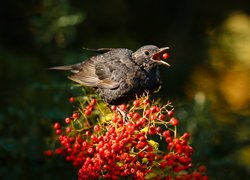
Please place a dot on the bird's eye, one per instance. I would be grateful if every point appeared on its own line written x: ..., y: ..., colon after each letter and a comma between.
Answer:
x: 146, y: 53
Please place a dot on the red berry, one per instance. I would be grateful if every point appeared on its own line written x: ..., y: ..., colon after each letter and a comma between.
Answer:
x: 152, y: 130
x: 132, y: 170
x: 145, y: 101
x: 205, y: 178
x: 88, y: 133
x: 174, y: 121
x: 141, y: 144
x: 148, y: 112
x: 130, y: 114
x: 90, y: 150
x: 136, y: 103
x: 77, y: 146
x: 136, y: 116
x: 90, y: 107
x: 141, y: 122
x: 165, y: 55
x: 58, y: 131
x: 162, y: 117
x: 158, y: 130
x: 57, y: 125
x: 96, y: 128
x: 93, y: 102
x: 75, y: 115
x: 67, y: 120
x: 48, y: 153
x: 186, y: 135
x: 113, y: 107
x: 120, y: 121
x: 123, y: 107
x: 68, y: 130
x: 115, y: 119
x: 202, y: 169
x: 106, y: 153
x: 87, y: 112
x: 166, y: 133
x: 154, y: 117
x: 84, y: 144
x: 154, y: 109
x: 197, y: 175
x: 170, y: 113
x: 163, y: 164
x: 71, y: 99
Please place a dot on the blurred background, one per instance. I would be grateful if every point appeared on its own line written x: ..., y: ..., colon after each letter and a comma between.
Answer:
x: 209, y: 80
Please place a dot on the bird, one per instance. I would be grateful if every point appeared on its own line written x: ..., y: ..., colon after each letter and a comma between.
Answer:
x: 118, y: 74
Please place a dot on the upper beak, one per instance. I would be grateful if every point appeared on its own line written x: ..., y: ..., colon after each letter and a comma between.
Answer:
x: 158, y: 56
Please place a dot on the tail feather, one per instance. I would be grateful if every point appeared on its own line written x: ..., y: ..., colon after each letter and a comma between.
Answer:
x: 65, y: 68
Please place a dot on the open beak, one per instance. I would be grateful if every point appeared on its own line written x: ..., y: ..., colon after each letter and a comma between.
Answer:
x: 159, y: 56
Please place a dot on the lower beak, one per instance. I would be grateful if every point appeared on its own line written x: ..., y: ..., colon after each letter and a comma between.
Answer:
x: 157, y: 56
x: 165, y: 63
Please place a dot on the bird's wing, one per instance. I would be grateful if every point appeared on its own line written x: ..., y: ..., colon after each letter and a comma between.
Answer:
x: 95, y: 75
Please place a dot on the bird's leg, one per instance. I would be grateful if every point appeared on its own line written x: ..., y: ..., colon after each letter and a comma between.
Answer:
x: 123, y: 114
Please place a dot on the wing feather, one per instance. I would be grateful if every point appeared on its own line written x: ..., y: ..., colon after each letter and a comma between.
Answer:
x: 95, y: 75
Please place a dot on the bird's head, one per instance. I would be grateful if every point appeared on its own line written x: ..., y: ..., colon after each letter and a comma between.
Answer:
x: 150, y: 56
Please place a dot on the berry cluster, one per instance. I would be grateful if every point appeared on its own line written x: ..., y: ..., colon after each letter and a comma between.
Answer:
x: 137, y: 141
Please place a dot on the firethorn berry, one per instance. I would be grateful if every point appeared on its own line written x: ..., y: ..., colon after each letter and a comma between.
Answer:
x: 153, y: 109
x: 75, y: 115
x: 68, y: 130
x: 170, y: 113
x: 152, y: 130
x: 148, y: 112
x: 145, y: 101
x: 136, y: 103
x: 96, y: 128
x: 158, y: 130
x: 90, y: 150
x: 90, y: 107
x: 58, y: 131
x: 57, y: 125
x: 48, y: 153
x: 88, y: 133
x: 130, y: 114
x: 120, y: 120
x: 202, y: 169
x: 186, y: 135
x: 115, y: 119
x: 87, y: 112
x: 71, y: 99
x: 154, y: 117
x: 166, y: 133
x: 136, y: 116
x: 141, y: 122
x: 67, y: 120
x: 162, y: 117
x: 123, y: 107
x: 113, y: 107
x: 165, y: 55
x: 174, y: 121
x: 197, y: 175
x: 93, y: 102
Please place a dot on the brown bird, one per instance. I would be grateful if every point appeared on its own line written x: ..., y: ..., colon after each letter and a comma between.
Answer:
x: 119, y: 74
